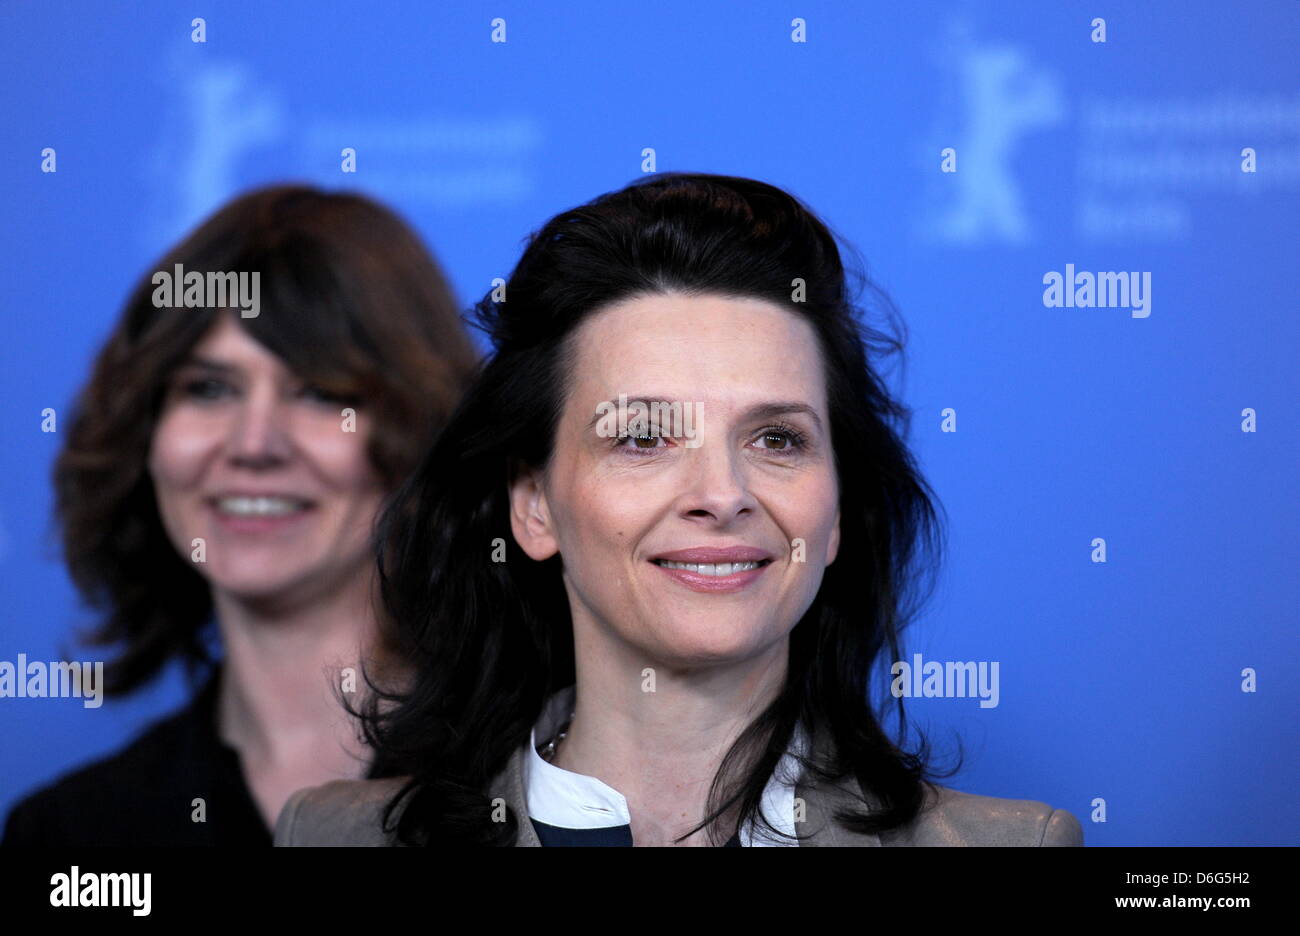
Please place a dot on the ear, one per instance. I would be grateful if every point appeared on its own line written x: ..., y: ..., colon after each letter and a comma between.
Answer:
x: 833, y: 547
x: 530, y: 517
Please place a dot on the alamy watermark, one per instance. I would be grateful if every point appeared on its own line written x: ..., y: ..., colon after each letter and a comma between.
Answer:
x: 649, y: 419
x: 1110, y: 290
x: 949, y: 680
x: 78, y: 888
x: 213, y: 290
x: 37, y: 679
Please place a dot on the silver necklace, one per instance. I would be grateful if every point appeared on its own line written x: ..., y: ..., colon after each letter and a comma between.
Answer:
x: 549, y: 748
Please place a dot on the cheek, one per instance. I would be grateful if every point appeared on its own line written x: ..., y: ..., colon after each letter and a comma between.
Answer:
x: 815, y: 523
x: 182, y: 448
x: 341, y: 459
x: 830, y: 500
x: 597, y: 520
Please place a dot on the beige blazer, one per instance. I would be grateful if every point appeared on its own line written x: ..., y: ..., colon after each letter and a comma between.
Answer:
x: 349, y: 812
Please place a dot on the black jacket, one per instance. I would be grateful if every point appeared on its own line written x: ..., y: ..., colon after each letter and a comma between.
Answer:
x: 145, y: 793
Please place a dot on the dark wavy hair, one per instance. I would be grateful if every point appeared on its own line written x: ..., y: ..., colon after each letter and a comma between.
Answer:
x: 350, y: 300
x: 491, y: 640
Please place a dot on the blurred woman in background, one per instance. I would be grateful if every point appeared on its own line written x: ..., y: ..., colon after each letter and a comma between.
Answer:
x: 218, y: 488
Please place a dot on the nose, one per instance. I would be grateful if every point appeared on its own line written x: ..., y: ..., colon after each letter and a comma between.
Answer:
x: 259, y: 433
x: 717, y: 489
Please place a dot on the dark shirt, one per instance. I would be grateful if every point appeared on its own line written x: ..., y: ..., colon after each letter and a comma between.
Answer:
x: 144, y: 794
x: 609, y: 837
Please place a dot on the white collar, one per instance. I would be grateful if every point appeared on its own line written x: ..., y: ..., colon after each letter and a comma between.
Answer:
x: 569, y: 800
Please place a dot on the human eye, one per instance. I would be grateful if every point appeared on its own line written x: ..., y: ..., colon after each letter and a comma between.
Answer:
x: 780, y: 439
x: 204, y: 388
x: 317, y: 394
x: 643, y: 443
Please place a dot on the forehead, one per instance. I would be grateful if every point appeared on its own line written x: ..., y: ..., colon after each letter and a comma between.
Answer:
x: 727, y: 350
x: 228, y: 340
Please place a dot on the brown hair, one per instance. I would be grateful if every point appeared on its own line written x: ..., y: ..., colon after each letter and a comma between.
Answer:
x: 350, y: 300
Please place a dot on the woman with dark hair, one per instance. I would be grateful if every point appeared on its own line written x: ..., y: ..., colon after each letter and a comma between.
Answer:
x: 220, y: 483
x: 650, y: 565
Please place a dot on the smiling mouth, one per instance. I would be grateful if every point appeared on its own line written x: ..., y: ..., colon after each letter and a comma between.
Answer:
x: 716, y: 569
x: 260, y: 506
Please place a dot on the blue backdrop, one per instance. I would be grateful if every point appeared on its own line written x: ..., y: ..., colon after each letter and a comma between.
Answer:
x: 1121, y: 682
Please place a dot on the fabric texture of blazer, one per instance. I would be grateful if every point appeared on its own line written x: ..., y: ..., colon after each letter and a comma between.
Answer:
x: 349, y: 812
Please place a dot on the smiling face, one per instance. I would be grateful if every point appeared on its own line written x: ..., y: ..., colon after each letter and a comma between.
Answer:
x: 692, y: 551
x: 258, y: 464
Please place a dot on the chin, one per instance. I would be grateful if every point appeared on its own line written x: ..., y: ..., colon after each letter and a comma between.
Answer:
x: 254, y: 584
x: 709, y: 645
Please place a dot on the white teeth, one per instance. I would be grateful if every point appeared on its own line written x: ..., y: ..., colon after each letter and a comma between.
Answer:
x: 709, y: 568
x: 259, y: 506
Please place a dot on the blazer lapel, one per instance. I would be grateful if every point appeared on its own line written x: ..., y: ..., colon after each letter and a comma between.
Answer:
x: 509, y: 786
x: 822, y: 800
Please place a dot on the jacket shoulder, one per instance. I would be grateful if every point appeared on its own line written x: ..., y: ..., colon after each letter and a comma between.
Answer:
x: 341, y: 812
x: 955, y: 818
x: 105, y: 801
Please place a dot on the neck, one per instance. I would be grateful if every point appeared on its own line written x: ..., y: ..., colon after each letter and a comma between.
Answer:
x: 282, y: 679
x: 662, y: 749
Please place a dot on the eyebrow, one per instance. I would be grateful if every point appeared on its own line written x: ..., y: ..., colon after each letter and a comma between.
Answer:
x: 207, y: 364
x: 783, y: 408
x: 766, y: 410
